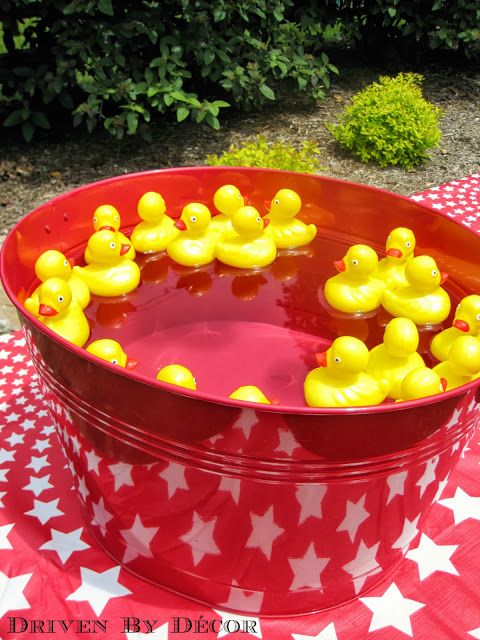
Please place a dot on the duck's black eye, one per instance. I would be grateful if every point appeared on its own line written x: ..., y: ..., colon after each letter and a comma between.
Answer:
x: 276, y: 201
x: 408, y: 244
x: 61, y: 298
x: 337, y: 359
x: 112, y: 245
x: 434, y: 273
x: 355, y: 262
x: 114, y: 361
x: 193, y: 219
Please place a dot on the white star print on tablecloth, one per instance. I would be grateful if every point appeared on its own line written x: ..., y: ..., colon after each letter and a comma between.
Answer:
x: 463, y: 505
x: 64, y: 544
x: 431, y: 557
x: 355, y: 515
x: 392, y: 609
x: 307, y: 569
x: 174, y: 476
x: 325, y: 634
x: 137, y: 540
x: 200, y: 538
x: 98, y: 588
x: 264, y: 532
x: 11, y: 590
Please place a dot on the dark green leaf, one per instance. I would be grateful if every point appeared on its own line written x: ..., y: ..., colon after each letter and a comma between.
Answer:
x: 267, y: 92
x: 28, y: 129
x: 13, y: 119
x: 132, y: 122
x: 40, y: 120
x: 105, y: 6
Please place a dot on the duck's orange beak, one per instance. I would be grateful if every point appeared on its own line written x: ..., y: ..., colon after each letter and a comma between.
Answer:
x: 125, y: 248
x: 444, y: 383
x: 107, y: 228
x: 321, y: 358
x: 71, y: 262
x: 267, y: 204
x: 394, y: 253
x: 266, y: 222
x: 443, y: 276
x: 274, y: 400
x: 45, y: 310
x: 339, y: 265
x: 180, y: 224
x: 131, y: 364
x: 462, y: 325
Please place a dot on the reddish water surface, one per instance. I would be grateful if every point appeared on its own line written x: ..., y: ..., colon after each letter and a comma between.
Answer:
x: 233, y: 327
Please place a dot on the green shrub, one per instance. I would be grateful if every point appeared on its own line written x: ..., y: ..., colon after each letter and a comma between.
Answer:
x: 119, y: 62
x: 270, y: 155
x: 390, y: 122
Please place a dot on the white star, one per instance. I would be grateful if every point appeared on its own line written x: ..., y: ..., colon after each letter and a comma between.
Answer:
x: 4, y: 531
x: 253, y: 624
x: 417, y: 198
x: 2, y: 493
x: 19, y: 357
x: 428, y: 475
x: 27, y: 424
x: 264, y: 532
x: 287, y: 443
x: 408, y: 534
x: 98, y: 588
x: 76, y: 444
x: 307, y: 570
x: 3, y: 474
x: 392, y: 610
x: 438, y: 205
x: 47, y: 431
x: 246, y: 420
x: 441, y: 486
x: 122, y: 474
x: 12, y: 417
x: 355, y: 515
x: 160, y: 633
x: 3, y: 405
x: 93, y: 461
x: 38, y: 485
x: 4, y: 354
x: 475, y: 633
x: 44, y: 511
x: 432, y: 557
x: 396, y: 484
x: 232, y: 485
x: 82, y: 488
x: 38, y: 463
x: 200, y: 538
x: 64, y: 544
x: 174, y: 476
x: 137, y: 540
x: 309, y: 497
x: 463, y: 506
x: 41, y: 445
x: 6, y: 369
x: 40, y: 414
x: 15, y: 438
x: 328, y: 633
x: 363, y: 565
x: 100, y: 515
x: 12, y: 593
x: 239, y: 600
x: 6, y: 456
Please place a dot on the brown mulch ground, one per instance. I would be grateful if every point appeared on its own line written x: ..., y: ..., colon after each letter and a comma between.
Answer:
x: 32, y: 174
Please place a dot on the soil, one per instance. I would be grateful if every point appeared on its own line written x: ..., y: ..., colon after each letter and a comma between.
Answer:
x: 32, y: 174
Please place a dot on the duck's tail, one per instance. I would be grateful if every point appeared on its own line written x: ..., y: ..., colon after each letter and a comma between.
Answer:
x: 312, y: 231
x: 384, y: 387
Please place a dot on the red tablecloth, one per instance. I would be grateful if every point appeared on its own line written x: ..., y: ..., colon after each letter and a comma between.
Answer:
x: 55, y: 581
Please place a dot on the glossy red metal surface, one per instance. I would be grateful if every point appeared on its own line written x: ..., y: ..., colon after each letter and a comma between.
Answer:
x: 293, y: 509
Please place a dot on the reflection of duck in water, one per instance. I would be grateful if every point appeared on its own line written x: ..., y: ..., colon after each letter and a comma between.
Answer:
x: 286, y: 230
x: 153, y: 267
x: 341, y: 381
x: 196, y: 284
x: 355, y: 289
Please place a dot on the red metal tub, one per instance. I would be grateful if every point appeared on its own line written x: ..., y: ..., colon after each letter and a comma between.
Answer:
x: 276, y: 510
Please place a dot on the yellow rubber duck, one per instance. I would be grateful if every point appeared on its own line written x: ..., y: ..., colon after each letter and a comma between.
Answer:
x: 107, y: 218
x: 466, y: 322
x: 250, y: 393
x: 423, y: 300
x: 60, y: 312
x: 110, y: 273
x: 53, y: 264
x: 463, y: 362
x: 397, y: 356
x: 195, y: 246
x: 288, y: 232
x: 251, y: 247
x: 157, y: 229
x: 111, y: 351
x: 341, y: 381
x: 354, y: 289
x: 420, y: 383
x: 399, y: 249
x: 227, y: 199
x: 178, y: 375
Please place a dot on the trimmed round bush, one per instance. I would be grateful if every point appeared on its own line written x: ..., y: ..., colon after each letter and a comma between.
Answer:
x: 390, y: 122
